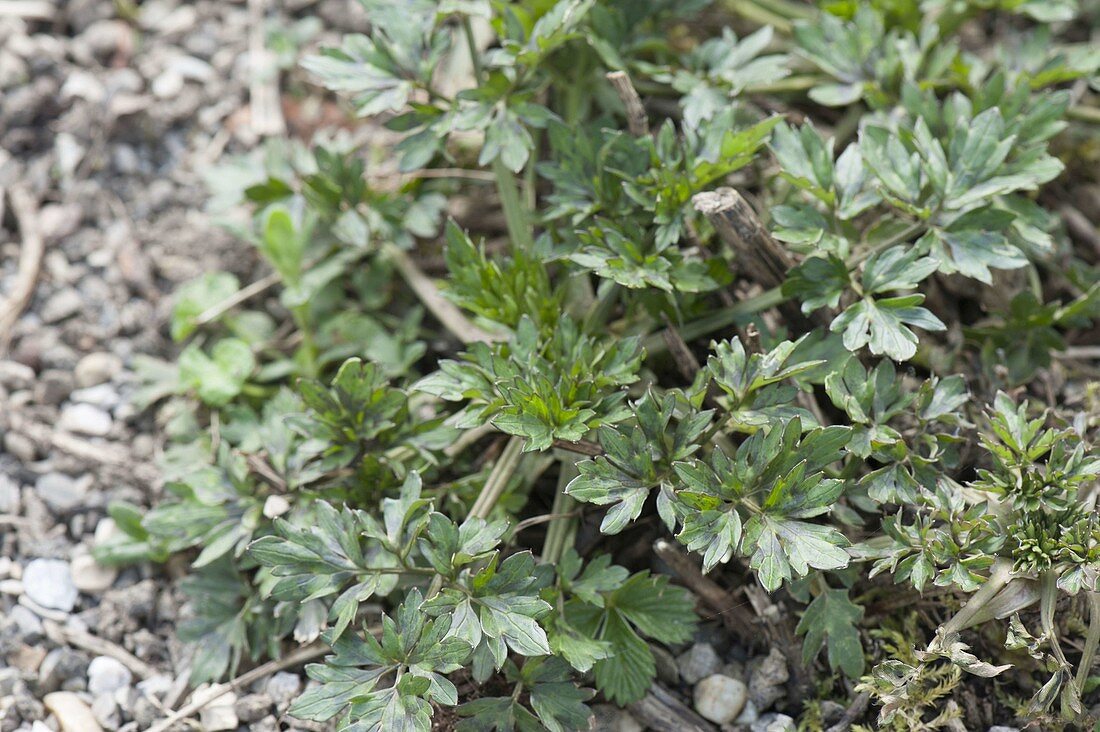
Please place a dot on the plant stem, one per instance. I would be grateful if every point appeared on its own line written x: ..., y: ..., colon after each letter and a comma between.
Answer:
x: 1092, y: 639
x: 515, y: 213
x: 1079, y: 113
x: 443, y: 309
x: 309, y: 346
x: 999, y: 576
x: 561, y: 530
x: 655, y: 343
x: 498, y: 478
x: 606, y: 296
x: 1047, y: 599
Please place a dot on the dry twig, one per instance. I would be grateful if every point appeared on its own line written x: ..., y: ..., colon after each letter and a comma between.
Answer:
x: 854, y: 712
x: 263, y: 90
x: 295, y: 657
x: 733, y: 614
x: 25, y: 208
x: 99, y: 646
x: 636, y: 120
x: 443, y: 309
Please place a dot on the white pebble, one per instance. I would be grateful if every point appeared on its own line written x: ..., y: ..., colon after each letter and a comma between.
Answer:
x: 720, y: 698
x: 49, y: 583
x: 106, y: 675
x: 90, y: 576
x: 85, y: 419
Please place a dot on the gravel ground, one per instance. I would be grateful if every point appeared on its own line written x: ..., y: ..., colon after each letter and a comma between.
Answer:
x: 106, y: 126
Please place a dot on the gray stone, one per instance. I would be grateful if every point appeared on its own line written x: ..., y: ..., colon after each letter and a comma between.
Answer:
x: 96, y: 368
x: 105, y: 710
x: 768, y: 679
x: 21, y: 447
x: 49, y: 583
x: 53, y: 387
x: 775, y: 723
x: 720, y: 698
x: 284, y: 687
x: 748, y: 715
x: 1003, y: 728
x: 144, y: 712
x: 61, y: 305
x: 60, y: 220
x: 832, y: 711
x: 60, y: 665
x: 9, y: 495
x: 699, y: 662
x: 253, y: 707
x: 168, y: 84
x: 14, y: 375
x: 104, y: 37
x: 85, y: 419
x: 61, y: 492
x: 106, y: 675
x: 192, y: 69
x: 103, y: 396
x: 26, y: 624
x: 609, y: 718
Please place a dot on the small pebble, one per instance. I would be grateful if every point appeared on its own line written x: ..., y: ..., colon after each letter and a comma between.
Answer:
x: 90, y: 576
x: 699, y: 662
x: 107, y: 675
x: 61, y: 492
x: 220, y: 714
x: 9, y: 495
x: 768, y: 679
x: 283, y: 687
x: 103, y: 396
x: 73, y: 715
x: 61, y: 305
x: 96, y: 368
x: 49, y: 583
x: 85, y: 419
x: 775, y: 723
x: 275, y: 506
x: 15, y: 375
x: 748, y: 715
x: 720, y: 698
x: 253, y: 707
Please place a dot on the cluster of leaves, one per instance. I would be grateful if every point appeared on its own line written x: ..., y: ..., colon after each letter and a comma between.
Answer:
x: 321, y: 474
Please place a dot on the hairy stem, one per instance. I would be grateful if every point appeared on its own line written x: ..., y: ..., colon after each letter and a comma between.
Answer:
x: 1092, y: 639
x: 561, y: 530
x: 498, y: 478
x: 999, y: 576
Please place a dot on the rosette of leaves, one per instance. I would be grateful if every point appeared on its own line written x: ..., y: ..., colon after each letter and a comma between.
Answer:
x: 540, y: 386
x: 755, y: 395
x: 868, y: 61
x: 362, y: 425
x: 387, y: 683
x: 719, y: 69
x: 755, y: 503
x: 638, y: 459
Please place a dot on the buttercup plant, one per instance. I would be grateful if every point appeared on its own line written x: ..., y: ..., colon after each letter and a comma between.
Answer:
x: 743, y: 291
